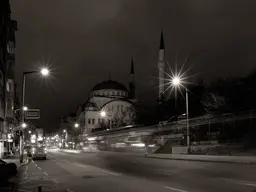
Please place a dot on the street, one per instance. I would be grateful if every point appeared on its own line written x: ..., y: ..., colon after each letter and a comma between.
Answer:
x: 103, y: 171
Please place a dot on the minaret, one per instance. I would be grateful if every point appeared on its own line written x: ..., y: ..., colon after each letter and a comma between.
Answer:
x: 161, y: 68
x: 132, y: 85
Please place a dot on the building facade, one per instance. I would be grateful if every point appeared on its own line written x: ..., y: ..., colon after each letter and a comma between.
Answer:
x: 7, y: 62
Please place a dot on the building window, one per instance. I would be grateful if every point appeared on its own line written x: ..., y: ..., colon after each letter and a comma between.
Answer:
x: 93, y: 121
x: 99, y: 121
x: 121, y: 108
x: 89, y: 121
x: 112, y: 107
x: 117, y: 108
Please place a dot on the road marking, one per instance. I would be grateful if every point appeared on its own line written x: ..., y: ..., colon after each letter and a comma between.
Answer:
x: 80, y: 165
x: 33, y: 161
x: 241, y: 182
x: 46, y: 173
x: 111, y: 173
x: 23, y: 190
x: 25, y: 181
x: 102, y: 170
x: 39, y: 168
x: 66, y: 161
x: 26, y: 170
x: 36, y: 165
x: 55, y: 181
x: 69, y: 190
x: 175, y: 189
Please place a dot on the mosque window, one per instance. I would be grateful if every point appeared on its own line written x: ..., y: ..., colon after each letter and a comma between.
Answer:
x: 89, y: 121
x: 93, y: 121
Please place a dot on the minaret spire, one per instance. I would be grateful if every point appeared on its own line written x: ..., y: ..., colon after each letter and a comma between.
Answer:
x: 161, y: 68
x: 132, y: 83
x: 161, y: 40
x: 132, y: 68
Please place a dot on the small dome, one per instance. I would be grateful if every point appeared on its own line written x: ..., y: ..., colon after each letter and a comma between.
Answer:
x: 109, y: 85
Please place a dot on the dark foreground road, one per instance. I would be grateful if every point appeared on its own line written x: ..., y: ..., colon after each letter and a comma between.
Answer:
x: 98, y: 172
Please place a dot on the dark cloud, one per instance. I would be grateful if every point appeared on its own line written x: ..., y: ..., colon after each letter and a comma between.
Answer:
x: 85, y: 40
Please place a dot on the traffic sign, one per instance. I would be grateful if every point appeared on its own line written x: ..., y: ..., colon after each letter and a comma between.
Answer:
x: 32, y: 114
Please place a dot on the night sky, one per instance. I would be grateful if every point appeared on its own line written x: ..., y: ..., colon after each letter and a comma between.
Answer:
x: 85, y: 40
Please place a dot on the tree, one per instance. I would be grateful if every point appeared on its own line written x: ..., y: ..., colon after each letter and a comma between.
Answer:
x: 212, y: 102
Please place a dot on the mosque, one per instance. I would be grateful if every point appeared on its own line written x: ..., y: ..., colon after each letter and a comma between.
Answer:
x: 111, y: 103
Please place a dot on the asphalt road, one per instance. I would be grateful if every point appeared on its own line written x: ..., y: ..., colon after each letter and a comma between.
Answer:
x: 117, y: 172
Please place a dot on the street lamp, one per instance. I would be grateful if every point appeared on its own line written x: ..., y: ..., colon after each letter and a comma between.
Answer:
x: 76, y: 125
x: 25, y: 108
x: 64, y: 131
x: 43, y: 72
x: 176, y: 81
x: 24, y: 125
x: 29, y: 132
x: 103, y: 114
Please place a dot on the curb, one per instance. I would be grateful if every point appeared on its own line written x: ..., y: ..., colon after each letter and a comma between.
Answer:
x: 200, y: 160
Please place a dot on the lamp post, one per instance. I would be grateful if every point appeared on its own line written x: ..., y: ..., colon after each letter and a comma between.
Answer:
x: 103, y: 114
x: 43, y: 72
x: 176, y: 81
x: 77, y: 125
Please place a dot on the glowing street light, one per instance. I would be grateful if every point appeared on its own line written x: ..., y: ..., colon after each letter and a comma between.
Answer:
x: 103, y: 114
x: 76, y: 125
x: 29, y: 132
x: 24, y: 125
x: 64, y: 131
x: 45, y: 71
x: 25, y: 108
x: 176, y: 82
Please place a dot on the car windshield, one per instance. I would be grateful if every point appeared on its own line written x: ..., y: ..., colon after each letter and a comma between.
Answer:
x: 128, y: 95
